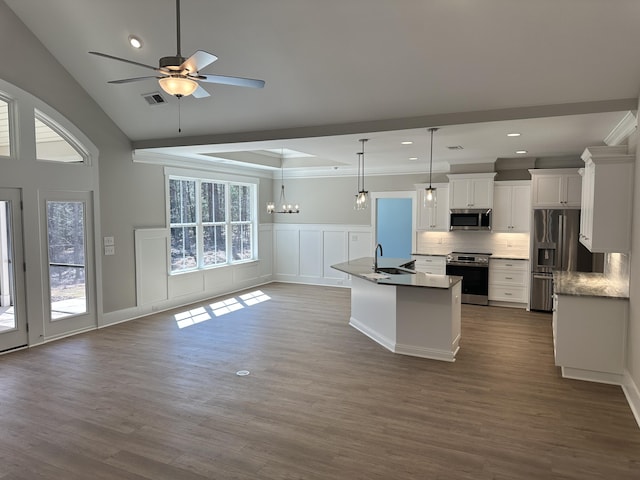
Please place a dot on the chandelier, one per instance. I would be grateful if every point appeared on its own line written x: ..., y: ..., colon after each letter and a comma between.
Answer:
x: 362, y: 197
x: 285, y: 206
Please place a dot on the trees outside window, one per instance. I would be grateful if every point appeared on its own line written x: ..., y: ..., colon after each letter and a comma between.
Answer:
x: 212, y: 223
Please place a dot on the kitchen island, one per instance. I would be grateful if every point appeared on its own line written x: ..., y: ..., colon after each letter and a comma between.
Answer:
x: 408, y: 313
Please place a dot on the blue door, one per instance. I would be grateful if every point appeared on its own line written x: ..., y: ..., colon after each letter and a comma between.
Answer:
x: 393, y: 226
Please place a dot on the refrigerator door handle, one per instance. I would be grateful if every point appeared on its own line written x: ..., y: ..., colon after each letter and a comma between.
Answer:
x: 561, y: 226
x: 543, y: 276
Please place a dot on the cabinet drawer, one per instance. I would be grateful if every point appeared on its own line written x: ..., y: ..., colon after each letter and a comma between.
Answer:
x: 432, y: 270
x: 429, y: 260
x: 508, y: 294
x: 522, y: 265
x: 514, y: 278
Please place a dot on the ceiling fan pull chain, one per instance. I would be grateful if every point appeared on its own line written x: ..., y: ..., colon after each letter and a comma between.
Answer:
x: 179, y: 117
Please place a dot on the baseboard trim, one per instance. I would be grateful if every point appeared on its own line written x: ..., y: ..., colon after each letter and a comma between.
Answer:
x: 431, y: 353
x: 632, y: 392
x: 373, y: 335
x: 591, y: 376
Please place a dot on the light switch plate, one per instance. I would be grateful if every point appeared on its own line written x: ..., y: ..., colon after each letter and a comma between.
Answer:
x: 108, y: 241
x: 109, y: 250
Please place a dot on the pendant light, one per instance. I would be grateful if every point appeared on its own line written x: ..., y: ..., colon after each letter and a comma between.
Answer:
x: 286, y: 206
x: 430, y: 193
x: 362, y: 197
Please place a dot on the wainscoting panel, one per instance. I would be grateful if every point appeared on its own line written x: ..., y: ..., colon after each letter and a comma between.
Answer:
x: 304, y: 253
x: 265, y: 251
x: 285, y: 253
x: 151, y: 265
x: 334, y: 251
x: 360, y: 244
x: 310, y: 265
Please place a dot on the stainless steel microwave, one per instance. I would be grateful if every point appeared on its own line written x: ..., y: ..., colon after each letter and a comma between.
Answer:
x: 470, y: 219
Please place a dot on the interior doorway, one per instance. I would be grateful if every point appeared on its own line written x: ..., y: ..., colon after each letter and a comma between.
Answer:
x: 13, y: 320
x: 393, y: 219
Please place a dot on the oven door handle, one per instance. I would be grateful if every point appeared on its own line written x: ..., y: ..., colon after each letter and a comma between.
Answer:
x: 468, y: 264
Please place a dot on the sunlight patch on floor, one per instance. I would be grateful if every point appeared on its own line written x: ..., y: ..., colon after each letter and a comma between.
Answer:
x: 218, y: 309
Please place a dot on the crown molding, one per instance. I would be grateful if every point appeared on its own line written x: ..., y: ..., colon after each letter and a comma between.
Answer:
x: 622, y: 131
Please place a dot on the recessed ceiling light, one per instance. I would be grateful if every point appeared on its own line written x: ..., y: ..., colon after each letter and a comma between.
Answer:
x: 413, y: 158
x: 513, y: 134
x: 407, y: 143
x: 521, y: 151
x: 135, y: 42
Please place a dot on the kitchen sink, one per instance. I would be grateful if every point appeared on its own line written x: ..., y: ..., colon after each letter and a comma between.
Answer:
x: 394, y: 271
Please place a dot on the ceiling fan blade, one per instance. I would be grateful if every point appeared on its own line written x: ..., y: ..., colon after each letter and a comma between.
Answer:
x: 198, y: 61
x: 129, y: 80
x: 237, y: 81
x: 200, y: 92
x: 127, y: 61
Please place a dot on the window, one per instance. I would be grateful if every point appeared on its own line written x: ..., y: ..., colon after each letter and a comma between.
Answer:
x: 212, y: 222
x: 5, y: 144
x: 66, y: 247
x: 51, y: 145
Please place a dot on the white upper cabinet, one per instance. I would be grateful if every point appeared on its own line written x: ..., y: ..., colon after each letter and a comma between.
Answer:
x: 607, y: 194
x: 556, y: 188
x: 473, y: 190
x: 512, y: 206
x: 435, y: 216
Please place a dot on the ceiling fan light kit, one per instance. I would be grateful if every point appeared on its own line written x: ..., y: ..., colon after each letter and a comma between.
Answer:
x: 178, y: 86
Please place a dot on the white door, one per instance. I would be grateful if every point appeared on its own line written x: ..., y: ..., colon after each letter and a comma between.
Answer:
x: 68, y: 249
x: 13, y: 318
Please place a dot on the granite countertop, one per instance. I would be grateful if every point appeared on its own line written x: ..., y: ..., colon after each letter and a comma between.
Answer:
x: 363, y: 268
x: 588, y: 284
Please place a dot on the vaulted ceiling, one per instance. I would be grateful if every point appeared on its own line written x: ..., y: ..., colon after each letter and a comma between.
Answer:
x: 562, y: 73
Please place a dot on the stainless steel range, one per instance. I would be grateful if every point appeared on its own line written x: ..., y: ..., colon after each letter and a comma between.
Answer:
x: 474, y: 270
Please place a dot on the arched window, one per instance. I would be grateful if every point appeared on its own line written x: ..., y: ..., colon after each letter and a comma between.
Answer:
x: 5, y: 143
x: 54, y: 144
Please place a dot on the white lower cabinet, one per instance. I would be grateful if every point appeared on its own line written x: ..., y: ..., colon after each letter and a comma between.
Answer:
x: 509, y: 282
x: 432, y: 264
x: 589, y: 337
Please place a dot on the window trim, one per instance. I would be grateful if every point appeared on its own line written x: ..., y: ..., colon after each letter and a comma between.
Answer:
x: 64, y: 134
x: 209, y: 177
x: 11, y: 115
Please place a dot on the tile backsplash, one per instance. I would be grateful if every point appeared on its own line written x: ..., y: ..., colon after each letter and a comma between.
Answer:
x: 506, y: 244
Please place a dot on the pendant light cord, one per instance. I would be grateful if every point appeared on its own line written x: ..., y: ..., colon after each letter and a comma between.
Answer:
x: 431, y: 130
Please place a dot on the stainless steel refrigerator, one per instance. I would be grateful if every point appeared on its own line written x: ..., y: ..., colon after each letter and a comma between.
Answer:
x: 555, y: 246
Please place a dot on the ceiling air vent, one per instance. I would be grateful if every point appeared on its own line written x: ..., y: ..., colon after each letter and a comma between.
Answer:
x: 154, y: 98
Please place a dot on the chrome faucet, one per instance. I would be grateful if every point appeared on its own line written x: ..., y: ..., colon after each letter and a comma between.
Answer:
x: 375, y: 261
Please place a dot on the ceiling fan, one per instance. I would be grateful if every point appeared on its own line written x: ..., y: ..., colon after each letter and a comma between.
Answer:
x: 179, y: 76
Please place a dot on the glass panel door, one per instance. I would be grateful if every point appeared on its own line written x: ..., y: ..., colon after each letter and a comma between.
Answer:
x: 13, y: 322
x: 68, y: 246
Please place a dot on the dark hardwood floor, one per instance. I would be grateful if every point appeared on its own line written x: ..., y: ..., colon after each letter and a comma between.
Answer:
x: 149, y: 400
